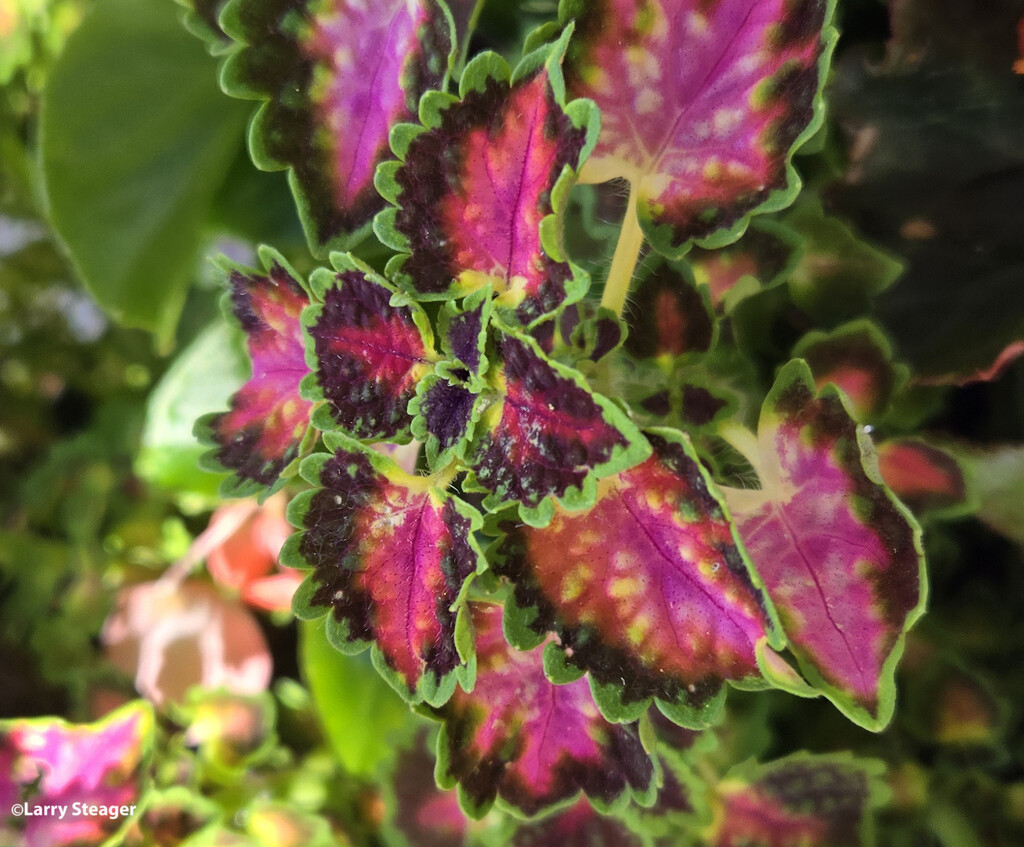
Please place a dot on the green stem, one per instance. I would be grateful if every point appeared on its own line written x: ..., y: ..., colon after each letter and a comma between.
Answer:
x: 627, y: 252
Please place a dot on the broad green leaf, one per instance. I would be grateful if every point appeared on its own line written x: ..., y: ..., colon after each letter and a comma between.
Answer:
x: 350, y: 698
x: 170, y: 453
x: 134, y: 150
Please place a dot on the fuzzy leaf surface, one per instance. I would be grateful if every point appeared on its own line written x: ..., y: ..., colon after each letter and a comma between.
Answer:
x: 476, y: 185
x: 701, y: 104
x: 390, y: 555
x: 840, y: 556
x: 368, y: 354
x: 531, y: 743
x: 263, y: 430
x: 648, y: 589
x: 337, y: 76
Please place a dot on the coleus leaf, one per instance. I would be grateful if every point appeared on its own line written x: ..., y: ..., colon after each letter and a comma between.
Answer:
x: 418, y: 813
x: 367, y: 355
x: 648, y: 590
x: 760, y: 259
x: 481, y: 183
x: 463, y: 331
x: 531, y: 743
x: 392, y: 557
x: 268, y: 419
x: 670, y: 316
x: 579, y: 825
x: 840, y: 556
x: 800, y: 801
x: 446, y: 411
x: 47, y: 762
x: 546, y: 434
x: 702, y: 105
x: 924, y: 476
x: 856, y: 357
x: 337, y: 77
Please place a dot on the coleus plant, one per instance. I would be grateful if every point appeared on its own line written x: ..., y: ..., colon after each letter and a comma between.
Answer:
x: 593, y: 536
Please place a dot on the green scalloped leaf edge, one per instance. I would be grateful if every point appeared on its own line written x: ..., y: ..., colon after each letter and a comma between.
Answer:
x: 234, y: 486
x: 231, y: 84
x: 575, y: 498
x: 660, y: 238
x: 519, y: 631
x: 481, y: 69
x: 429, y: 690
x: 798, y: 370
x: 320, y: 282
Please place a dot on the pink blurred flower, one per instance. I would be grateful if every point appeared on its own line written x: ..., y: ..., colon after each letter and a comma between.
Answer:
x: 172, y: 635
x: 246, y: 559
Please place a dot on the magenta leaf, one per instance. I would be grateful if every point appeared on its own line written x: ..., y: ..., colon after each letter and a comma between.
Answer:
x: 648, y: 590
x: 530, y: 743
x: 418, y: 812
x: 47, y: 762
x: 800, y: 801
x: 702, y: 105
x: 546, y: 434
x: 392, y: 557
x: 924, y: 476
x: 369, y: 355
x: 839, y: 555
x: 480, y: 185
x: 857, y: 358
x: 337, y: 77
x: 263, y: 430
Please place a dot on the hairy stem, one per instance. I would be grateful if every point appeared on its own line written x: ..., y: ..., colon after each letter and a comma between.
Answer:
x: 627, y: 251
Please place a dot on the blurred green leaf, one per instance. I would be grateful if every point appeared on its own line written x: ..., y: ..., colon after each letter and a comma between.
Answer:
x: 136, y: 141
x: 358, y: 708
x: 201, y: 380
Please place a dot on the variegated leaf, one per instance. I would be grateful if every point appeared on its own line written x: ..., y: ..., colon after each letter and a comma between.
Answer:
x: 368, y: 355
x: 702, y: 105
x: 337, y: 76
x: 839, y: 555
x: 648, y: 590
x: 264, y: 429
x: 481, y: 182
x: 47, y: 763
x: 392, y: 555
x: 546, y: 434
x: 529, y: 742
